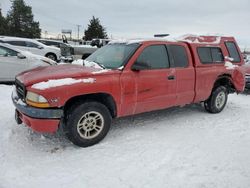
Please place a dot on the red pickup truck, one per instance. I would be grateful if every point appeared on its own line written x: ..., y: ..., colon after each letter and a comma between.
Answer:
x: 125, y: 78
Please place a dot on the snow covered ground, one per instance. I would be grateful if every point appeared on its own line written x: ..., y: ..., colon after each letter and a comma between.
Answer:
x: 178, y: 147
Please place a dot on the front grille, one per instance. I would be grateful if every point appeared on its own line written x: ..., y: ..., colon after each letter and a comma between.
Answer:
x: 20, y: 89
x: 247, y: 77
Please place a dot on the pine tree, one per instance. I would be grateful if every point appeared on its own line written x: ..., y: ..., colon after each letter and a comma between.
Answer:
x: 3, y: 24
x: 20, y: 21
x: 95, y: 30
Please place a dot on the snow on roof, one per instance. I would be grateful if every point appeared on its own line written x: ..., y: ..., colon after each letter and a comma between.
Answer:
x: 200, y: 39
x: 132, y: 41
x: 190, y: 38
x: 60, y: 82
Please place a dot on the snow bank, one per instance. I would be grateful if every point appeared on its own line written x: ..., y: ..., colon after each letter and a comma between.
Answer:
x: 60, y: 82
x: 178, y: 147
x: 78, y: 62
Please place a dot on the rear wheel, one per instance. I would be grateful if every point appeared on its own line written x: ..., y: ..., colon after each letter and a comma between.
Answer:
x: 88, y: 123
x: 217, y: 101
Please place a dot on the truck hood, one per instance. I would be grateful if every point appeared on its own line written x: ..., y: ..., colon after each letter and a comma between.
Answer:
x: 41, y: 74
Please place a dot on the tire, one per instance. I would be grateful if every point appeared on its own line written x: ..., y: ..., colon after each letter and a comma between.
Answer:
x: 87, y: 124
x: 217, y: 100
x: 51, y: 56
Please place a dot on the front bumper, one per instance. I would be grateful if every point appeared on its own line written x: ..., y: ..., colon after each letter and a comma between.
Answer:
x: 41, y: 120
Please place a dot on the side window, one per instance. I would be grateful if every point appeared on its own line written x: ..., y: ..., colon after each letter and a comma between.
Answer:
x: 205, y: 55
x: 155, y: 57
x: 209, y: 55
x: 17, y: 43
x: 31, y: 44
x: 217, y: 55
x: 233, y: 52
x: 179, y: 55
x: 3, y: 51
x: 7, y: 52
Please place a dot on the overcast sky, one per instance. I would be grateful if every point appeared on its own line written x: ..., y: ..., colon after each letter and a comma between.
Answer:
x: 134, y: 18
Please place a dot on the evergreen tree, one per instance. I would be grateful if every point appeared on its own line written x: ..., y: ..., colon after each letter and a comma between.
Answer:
x: 20, y: 21
x: 95, y: 30
x: 3, y: 24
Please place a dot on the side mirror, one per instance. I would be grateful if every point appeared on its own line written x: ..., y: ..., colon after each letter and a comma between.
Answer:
x: 21, y: 56
x: 137, y: 66
x: 40, y: 47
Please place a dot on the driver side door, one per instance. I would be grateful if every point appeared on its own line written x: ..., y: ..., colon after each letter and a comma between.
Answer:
x: 155, y: 83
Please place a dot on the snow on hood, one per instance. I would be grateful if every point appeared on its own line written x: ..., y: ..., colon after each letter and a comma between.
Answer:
x: 87, y: 63
x: 60, y: 82
x: 46, y: 73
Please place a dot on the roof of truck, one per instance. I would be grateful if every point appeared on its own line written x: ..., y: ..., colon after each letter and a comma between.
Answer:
x: 196, y: 39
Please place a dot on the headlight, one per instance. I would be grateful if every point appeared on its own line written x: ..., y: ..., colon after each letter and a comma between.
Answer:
x: 36, y: 100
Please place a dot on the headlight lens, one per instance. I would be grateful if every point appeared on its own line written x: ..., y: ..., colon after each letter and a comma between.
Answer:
x: 36, y: 100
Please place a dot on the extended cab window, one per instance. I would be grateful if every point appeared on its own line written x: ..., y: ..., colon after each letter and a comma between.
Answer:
x: 233, y: 52
x: 155, y: 57
x: 179, y: 55
x: 210, y: 55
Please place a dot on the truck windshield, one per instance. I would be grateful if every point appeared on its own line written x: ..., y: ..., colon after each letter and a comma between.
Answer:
x: 113, y: 56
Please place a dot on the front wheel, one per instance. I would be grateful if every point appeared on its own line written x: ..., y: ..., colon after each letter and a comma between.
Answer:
x: 88, y: 123
x: 51, y: 56
x: 217, y: 101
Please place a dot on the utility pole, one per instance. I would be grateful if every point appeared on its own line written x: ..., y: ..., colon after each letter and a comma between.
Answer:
x: 78, y: 30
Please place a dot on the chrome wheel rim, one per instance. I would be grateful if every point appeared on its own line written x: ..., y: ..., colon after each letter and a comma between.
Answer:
x: 90, y: 125
x: 220, y: 100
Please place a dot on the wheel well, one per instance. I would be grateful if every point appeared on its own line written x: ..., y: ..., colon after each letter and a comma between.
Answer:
x: 103, y: 98
x: 51, y: 53
x: 225, y: 80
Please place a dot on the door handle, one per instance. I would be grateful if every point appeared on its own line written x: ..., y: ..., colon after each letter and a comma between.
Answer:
x: 171, y: 77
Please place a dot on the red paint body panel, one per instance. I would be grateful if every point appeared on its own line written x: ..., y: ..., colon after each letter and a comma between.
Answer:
x: 136, y: 91
x: 40, y: 125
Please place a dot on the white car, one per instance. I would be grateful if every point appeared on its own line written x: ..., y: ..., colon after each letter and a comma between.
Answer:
x: 14, y: 61
x: 33, y: 46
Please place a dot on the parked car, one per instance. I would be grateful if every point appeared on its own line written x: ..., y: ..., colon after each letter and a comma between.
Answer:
x: 66, y: 49
x: 127, y: 78
x: 100, y: 42
x: 49, y: 42
x: 14, y: 61
x: 247, y: 75
x: 33, y: 46
x: 85, y: 49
